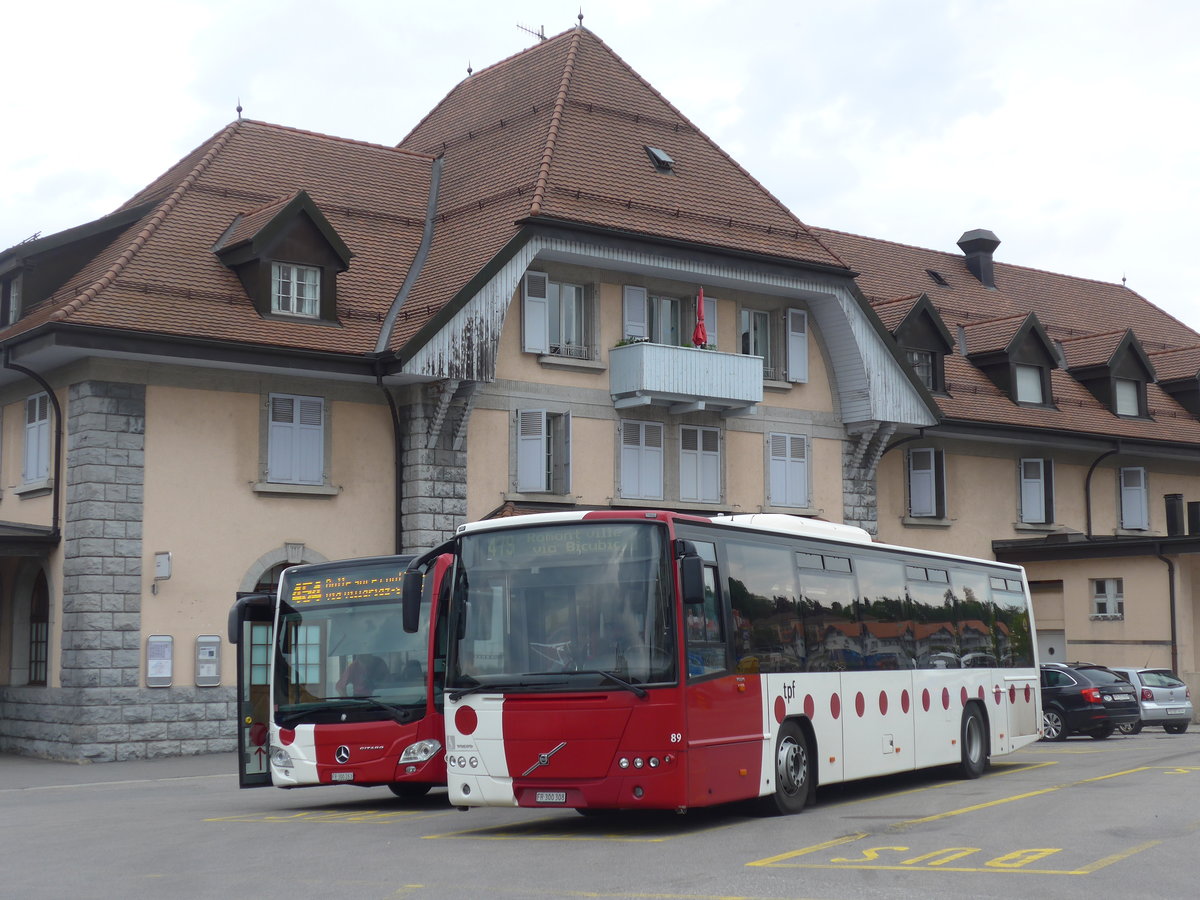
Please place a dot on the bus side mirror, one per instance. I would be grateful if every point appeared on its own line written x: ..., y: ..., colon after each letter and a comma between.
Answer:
x: 410, y: 599
x: 691, y: 577
x: 242, y: 609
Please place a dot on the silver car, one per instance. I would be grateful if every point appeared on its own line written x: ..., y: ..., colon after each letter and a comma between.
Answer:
x: 1165, y: 700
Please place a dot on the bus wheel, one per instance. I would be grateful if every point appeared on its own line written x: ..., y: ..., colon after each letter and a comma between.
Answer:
x: 793, y: 773
x: 973, y: 742
x: 409, y: 790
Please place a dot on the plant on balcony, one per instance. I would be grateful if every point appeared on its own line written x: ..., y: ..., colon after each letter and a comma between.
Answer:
x: 625, y: 342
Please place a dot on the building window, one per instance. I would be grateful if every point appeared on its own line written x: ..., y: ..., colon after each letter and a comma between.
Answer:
x: 756, y: 340
x: 922, y: 363
x: 1126, y: 397
x: 10, y: 300
x: 557, y: 318
x: 39, y: 630
x: 1037, y: 491
x: 37, y: 439
x: 543, y: 451
x: 1108, y: 597
x: 700, y: 464
x: 788, y: 470
x: 1028, y: 384
x: 1135, y: 512
x: 652, y: 318
x: 295, y: 290
x: 642, y: 460
x: 926, y: 483
x: 296, y: 440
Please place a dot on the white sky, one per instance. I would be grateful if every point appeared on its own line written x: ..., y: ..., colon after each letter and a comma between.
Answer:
x: 1070, y: 129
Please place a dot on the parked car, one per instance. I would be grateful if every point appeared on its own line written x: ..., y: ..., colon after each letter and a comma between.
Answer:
x: 1165, y: 700
x: 1084, y: 698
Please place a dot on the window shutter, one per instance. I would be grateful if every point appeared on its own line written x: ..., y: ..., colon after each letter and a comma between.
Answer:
x: 631, y: 446
x: 565, y: 487
x: 689, y: 463
x: 536, y: 309
x: 634, y: 305
x: 531, y: 450
x: 36, y: 466
x: 652, y: 460
x: 788, y: 470
x: 710, y: 321
x: 797, y: 345
x: 296, y: 440
x: 1033, y: 491
x: 710, y: 465
x: 1134, y: 513
x: 922, y: 500
x: 641, y: 460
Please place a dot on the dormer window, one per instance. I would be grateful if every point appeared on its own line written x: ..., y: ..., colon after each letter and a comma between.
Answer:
x: 1028, y: 384
x: 1127, y: 397
x: 924, y: 365
x: 10, y: 300
x: 295, y: 290
x: 925, y: 342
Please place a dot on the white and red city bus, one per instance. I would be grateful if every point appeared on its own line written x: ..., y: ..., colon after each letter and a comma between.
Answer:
x: 333, y: 689
x: 652, y: 660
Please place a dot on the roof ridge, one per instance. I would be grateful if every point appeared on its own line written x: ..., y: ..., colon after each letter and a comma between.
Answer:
x: 539, y: 190
x: 703, y: 134
x: 156, y: 218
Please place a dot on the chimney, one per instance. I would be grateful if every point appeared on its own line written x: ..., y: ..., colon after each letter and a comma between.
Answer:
x: 978, y: 245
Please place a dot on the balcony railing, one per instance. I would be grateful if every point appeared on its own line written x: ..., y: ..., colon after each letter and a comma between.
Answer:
x: 683, y: 378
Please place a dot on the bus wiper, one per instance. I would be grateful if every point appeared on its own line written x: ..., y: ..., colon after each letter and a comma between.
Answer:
x: 500, y: 686
x: 402, y: 716
x: 641, y: 692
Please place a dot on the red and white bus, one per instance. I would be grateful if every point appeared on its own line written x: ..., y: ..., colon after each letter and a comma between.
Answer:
x: 333, y: 689
x: 652, y: 660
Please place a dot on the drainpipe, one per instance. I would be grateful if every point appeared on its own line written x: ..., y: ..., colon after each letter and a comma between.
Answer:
x: 1171, y: 594
x: 57, y: 476
x: 398, y: 461
x: 1087, y: 487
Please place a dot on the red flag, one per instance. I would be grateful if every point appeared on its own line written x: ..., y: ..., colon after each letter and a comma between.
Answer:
x: 700, y: 333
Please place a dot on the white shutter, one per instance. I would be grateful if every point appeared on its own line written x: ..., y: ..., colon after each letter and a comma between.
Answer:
x: 710, y: 465
x: 641, y: 460
x: 922, y: 493
x: 531, y: 450
x: 634, y: 312
x: 296, y: 440
x: 689, y: 463
x: 566, y: 452
x: 710, y: 321
x: 788, y: 470
x: 797, y: 345
x: 699, y: 464
x: 1033, y: 491
x: 1134, y: 512
x: 536, y: 310
x: 36, y: 466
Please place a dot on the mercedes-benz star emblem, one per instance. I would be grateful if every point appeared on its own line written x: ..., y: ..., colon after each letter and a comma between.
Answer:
x: 342, y: 754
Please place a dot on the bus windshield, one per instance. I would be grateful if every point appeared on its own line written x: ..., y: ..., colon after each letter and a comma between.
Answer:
x: 342, y: 653
x: 585, y: 604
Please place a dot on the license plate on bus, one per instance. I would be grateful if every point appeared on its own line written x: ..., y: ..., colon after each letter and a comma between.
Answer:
x: 342, y: 776
x: 551, y: 797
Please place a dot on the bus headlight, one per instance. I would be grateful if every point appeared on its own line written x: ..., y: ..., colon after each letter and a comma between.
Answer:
x: 280, y: 758
x: 420, y: 751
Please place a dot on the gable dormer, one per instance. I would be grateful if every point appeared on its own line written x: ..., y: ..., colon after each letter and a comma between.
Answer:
x: 1178, y: 374
x: 925, y: 340
x: 1016, y: 355
x: 1114, y: 368
x: 287, y: 256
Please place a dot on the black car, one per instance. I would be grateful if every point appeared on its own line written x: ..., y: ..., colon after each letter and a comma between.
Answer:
x: 1083, y: 698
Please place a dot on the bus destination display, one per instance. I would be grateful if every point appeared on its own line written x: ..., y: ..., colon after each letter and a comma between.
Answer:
x: 345, y: 588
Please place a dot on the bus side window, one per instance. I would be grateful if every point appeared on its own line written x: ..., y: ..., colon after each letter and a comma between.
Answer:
x: 705, y: 631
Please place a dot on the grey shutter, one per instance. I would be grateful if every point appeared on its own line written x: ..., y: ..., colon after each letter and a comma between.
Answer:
x: 536, y: 313
x: 797, y: 345
x: 788, y: 470
x: 531, y: 450
x: 296, y: 440
x: 634, y: 313
x: 1133, y: 499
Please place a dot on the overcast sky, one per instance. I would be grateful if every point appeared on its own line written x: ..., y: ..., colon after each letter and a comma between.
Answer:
x: 1070, y: 129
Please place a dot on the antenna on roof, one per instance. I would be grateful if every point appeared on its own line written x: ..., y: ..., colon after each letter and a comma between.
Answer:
x: 540, y: 34
x: 580, y: 17
x: 470, y: 71
x: 239, y: 109
x: 1122, y: 279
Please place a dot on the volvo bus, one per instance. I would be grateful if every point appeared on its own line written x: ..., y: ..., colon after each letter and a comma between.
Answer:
x: 617, y: 660
x: 332, y: 688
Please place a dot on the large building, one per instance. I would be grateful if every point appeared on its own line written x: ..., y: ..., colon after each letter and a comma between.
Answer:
x: 292, y: 347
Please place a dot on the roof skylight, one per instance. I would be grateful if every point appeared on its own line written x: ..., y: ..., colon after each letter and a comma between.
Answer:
x: 661, y: 159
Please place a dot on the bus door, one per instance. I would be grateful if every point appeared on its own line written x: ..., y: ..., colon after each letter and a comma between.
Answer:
x: 724, y: 703
x: 250, y: 625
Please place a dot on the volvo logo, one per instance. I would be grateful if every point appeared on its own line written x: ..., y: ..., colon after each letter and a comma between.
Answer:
x: 342, y: 754
x: 544, y: 759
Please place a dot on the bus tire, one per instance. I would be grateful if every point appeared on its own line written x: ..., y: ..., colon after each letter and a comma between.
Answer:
x: 793, y: 773
x: 973, y: 742
x: 409, y: 790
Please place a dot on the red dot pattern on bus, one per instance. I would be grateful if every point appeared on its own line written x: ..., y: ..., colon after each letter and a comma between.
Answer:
x: 466, y: 720
x: 860, y: 704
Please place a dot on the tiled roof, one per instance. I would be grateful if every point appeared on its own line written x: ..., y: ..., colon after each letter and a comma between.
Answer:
x: 1089, y: 314
x: 1092, y: 349
x: 161, y: 276
x: 559, y: 132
